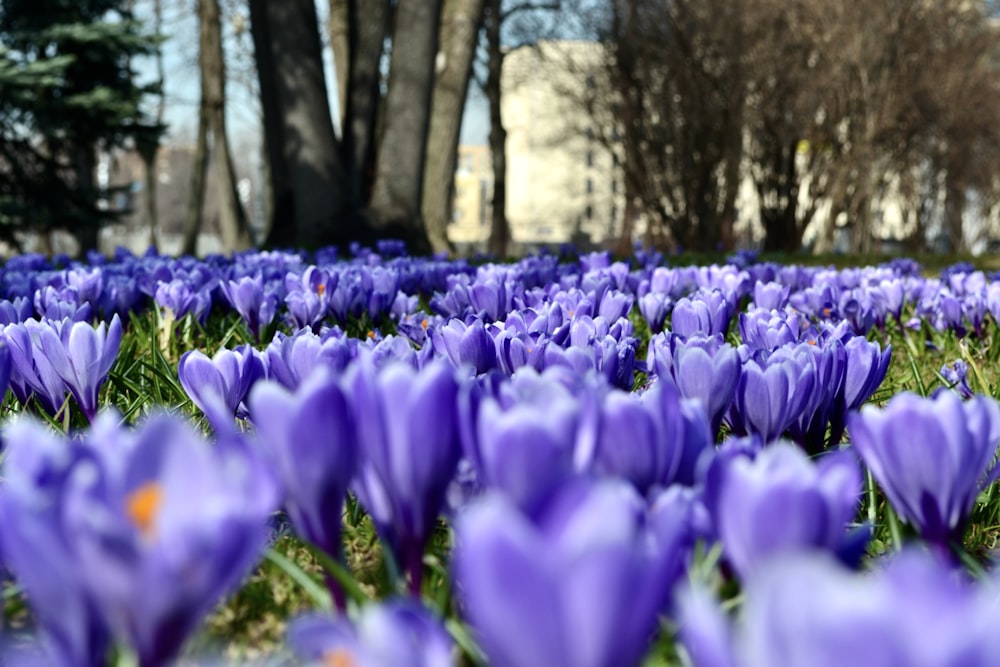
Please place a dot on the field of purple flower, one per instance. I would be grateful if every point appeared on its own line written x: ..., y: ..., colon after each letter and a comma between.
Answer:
x: 381, y: 461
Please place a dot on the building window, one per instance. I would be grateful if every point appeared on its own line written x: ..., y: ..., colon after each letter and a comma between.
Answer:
x: 588, y: 212
x: 590, y: 134
x: 590, y: 186
x: 614, y: 186
x: 590, y: 158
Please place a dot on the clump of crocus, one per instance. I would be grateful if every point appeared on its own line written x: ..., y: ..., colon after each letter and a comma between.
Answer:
x: 133, y: 534
x: 400, y: 633
x: 847, y: 618
x: 408, y: 449
x: 51, y: 358
x: 932, y: 457
x: 250, y: 298
x: 224, y: 380
x: 530, y: 583
x: 781, y: 502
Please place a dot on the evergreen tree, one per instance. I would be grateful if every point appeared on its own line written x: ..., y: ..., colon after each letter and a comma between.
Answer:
x: 67, y: 90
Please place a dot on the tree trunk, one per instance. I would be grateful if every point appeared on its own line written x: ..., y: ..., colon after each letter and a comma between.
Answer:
x: 305, y: 165
x: 395, y: 206
x: 196, y: 203
x: 460, y: 21
x: 368, y: 28
x: 338, y: 29
x: 211, y: 61
x: 150, y: 154
x: 84, y: 164
x: 499, y: 229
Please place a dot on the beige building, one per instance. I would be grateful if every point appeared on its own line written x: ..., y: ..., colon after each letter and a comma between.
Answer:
x: 563, y: 183
x: 469, y: 228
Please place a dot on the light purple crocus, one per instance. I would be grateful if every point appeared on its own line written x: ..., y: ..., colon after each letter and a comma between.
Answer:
x: 398, y: 633
x: 847, y: 618
x: 150, y: 528
x: 781, y: 502
x: 580, y: 581
x: 408, y: 448
x: 224, y: 379
x: 931, y: 456
x: 82, y: 355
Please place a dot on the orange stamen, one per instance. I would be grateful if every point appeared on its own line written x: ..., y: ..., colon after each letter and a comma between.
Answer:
x: 142, y: 506
x: 338, y: 658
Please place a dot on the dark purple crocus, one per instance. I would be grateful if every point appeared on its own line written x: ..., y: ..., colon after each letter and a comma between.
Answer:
x: 310, y: 436
x: 466, y: 345
x: 781, y: 502
x: 408, y: 450
x: 956, y: 374
x: 227, y: 377
x: 82, y: 355
x: 931, y: 456
x: 580, y: 581
x: 809, y: 610
x: 399, y: 633
x: 771, y: 394
x: 866, y: 366
x: 153, y: 526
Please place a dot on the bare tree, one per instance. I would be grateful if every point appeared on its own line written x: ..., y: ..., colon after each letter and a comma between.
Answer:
x: 304, y: 163
x: 395, y: 204
x: 460, y: 21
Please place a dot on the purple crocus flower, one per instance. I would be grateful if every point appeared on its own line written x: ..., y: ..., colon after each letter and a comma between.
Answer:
x: 310, y: 435
x: 308, y: 298
x: 770, y: 296
x: 32, y: 374
x: 705, y: 313
x: 291, y: 359
x: 771, y: 394
x: 466, y: 344
x: 956, y: 374
x: 847, y: 618
x: 931, y: 456
x: 255, y: 304
x: 528, y: 447
x: 82, y: 356
x: 37, y: 549
x: 655, y: 306
x: 530, y: 584
x: 408, y: 448
x: 400, y: 633
x: 702, y: 368
x: 150, y: 528
x: 227, y: 377
x: 180, y: 298
x: 781, y: 502
x: 644, y: 438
